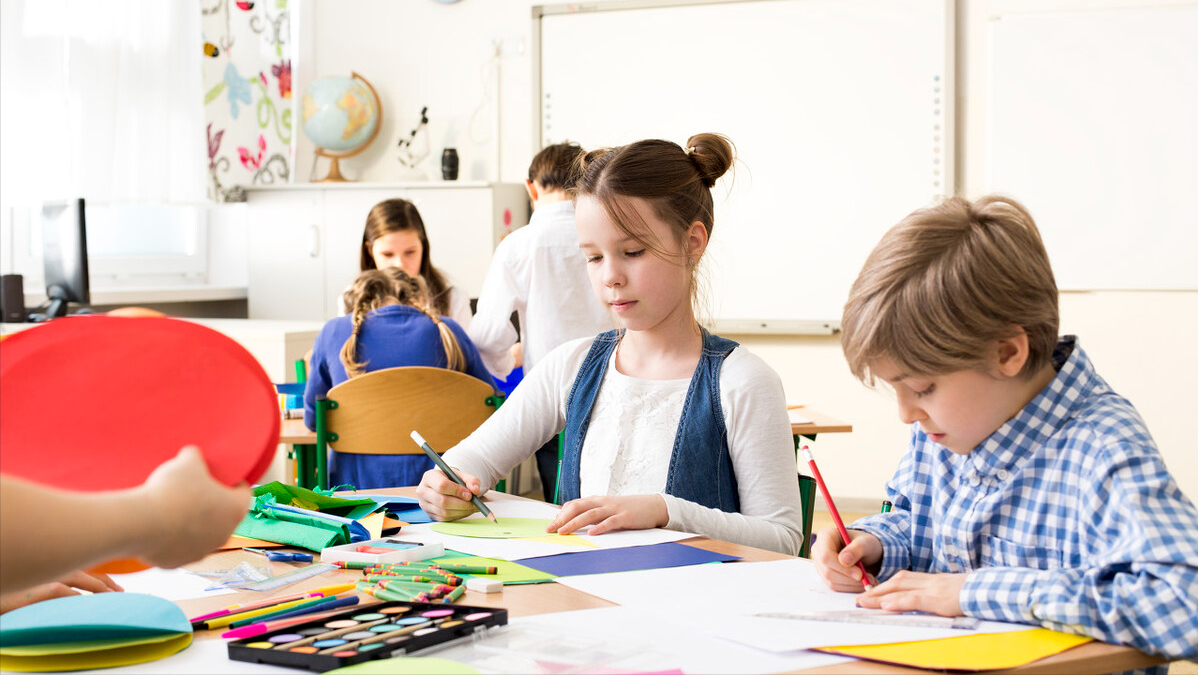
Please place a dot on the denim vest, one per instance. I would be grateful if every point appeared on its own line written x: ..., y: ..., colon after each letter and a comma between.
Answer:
x: 700, y: 465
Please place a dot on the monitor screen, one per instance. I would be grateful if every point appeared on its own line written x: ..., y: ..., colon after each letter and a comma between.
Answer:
x: 64, y: 255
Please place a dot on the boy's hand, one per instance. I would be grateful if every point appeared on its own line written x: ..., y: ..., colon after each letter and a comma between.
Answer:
x: 906, y: 591
x: 606, y: 514
x: 837, y: 563
x: 443, y: 499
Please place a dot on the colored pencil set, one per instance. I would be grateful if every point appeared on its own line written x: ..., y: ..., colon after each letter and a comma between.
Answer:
x: 274, y: 609
x: 415, y: 581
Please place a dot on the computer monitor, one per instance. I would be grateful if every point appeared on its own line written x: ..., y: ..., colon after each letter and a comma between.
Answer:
x: 64, y: 255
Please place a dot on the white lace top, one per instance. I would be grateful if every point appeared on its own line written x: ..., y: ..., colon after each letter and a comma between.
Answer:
x: 628, y: 451
x: 631, y: 435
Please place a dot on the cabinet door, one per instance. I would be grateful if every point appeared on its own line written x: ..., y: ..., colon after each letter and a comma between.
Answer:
x: 459, y: 222
x: 286, y: 263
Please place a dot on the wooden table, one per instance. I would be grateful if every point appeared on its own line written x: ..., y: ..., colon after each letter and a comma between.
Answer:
x: 526, y: 600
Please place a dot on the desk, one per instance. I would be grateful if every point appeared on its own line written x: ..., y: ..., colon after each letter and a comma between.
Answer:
x: 814, y: 422
x: 526, y: 600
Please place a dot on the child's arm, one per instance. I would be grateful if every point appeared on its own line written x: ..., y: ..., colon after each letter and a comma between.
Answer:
x: 491, y: 328
x: 319, y: 381
x: 1139, y: 585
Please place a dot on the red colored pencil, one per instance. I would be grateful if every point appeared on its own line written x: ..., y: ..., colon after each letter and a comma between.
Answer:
x: 844, y: 533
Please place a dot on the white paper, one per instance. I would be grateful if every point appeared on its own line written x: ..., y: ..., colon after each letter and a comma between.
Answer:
x: 173, y: 585
x: 620, y: 638
x: 722, y: 599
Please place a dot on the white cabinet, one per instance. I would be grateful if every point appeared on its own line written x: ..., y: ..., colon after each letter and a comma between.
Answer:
x: 304, y: 240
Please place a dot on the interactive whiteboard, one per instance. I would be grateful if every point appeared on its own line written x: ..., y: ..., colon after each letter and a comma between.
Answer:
x: 841, y: 112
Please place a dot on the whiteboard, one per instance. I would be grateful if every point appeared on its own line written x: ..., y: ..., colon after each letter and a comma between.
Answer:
x: 840, y: 111
x: 1093, y: 125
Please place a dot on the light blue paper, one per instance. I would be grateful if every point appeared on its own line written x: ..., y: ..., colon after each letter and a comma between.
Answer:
x: 100, y: 616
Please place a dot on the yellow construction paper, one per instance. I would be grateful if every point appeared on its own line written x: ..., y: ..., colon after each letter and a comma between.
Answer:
x: 374, y: 524
x: 506, y: 571
x: 988, y: 651
x: 124, y: 654
x: 55, y: 648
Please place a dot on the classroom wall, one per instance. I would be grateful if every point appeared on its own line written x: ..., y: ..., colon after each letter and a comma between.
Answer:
x: 428, y: 53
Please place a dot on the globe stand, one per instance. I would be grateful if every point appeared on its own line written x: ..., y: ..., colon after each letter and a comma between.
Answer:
x: 335, y: 175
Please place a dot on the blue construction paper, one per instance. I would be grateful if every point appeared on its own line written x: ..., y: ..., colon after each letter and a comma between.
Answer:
x: 669, y: 554
x: 402, y: 508
x: 100, y: 616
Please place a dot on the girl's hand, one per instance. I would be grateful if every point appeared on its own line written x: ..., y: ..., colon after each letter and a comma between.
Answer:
x: 443, y: 499
x: 607, y: 514
x: 907, y: 591
x: 92, y: 582
x: 837, y: 563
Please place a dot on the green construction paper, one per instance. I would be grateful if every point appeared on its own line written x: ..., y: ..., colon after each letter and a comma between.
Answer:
x: 506, y: 571
x: 294, y: 529
x: 409, y: 665
x: 293, y: 495
x: 124, y: 655
x: 99, y: 616
x: 506, y: 528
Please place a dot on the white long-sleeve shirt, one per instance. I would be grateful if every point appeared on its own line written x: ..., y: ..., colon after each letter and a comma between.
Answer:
x: 539, y: 272
x: 759, y: 441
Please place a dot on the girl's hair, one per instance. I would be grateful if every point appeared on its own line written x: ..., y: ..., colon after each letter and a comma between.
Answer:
x: 676, y: 182
x: 554, y: 166
x: 396, y: 215
x: 378, y: 288
x: 947, y: 281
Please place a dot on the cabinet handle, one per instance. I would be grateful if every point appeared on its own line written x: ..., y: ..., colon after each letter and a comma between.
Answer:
x: 314, y: 241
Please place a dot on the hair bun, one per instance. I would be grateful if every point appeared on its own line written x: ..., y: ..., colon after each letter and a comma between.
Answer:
x: 712, y: 155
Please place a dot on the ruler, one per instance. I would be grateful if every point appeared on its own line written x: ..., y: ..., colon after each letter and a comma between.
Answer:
x: 919, y: 619
x: 298, y: 574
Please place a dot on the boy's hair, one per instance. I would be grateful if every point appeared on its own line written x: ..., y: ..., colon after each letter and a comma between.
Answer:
x: 555, y: 166
x: 378, y: 288
x: 944, y: 283
x: 675, y: 181
x: 395, y: 215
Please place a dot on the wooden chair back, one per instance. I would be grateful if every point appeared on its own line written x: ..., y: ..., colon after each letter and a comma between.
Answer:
x: 375, y: 413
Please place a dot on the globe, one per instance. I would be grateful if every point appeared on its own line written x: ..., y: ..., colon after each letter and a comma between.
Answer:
x: 341, y: 116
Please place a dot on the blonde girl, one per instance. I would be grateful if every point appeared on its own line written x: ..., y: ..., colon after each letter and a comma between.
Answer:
x: 389, y: 325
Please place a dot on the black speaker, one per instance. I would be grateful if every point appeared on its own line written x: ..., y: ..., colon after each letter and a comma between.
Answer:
x: 12, y: 298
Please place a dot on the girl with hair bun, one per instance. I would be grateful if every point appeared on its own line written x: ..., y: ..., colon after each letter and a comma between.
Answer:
x: 390, y: 324
x: 666, y: 425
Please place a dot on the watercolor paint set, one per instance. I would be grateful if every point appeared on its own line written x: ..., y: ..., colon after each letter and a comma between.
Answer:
x: 378, y: 631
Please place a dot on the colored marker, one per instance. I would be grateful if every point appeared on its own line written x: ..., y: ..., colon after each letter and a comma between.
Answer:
x: 266, y: 626
x: 233, y: 609
x: 454, y: 595
x: 886, y: 506
x: 307, y: 607
x: 453, y: 476
x: 844, y: 533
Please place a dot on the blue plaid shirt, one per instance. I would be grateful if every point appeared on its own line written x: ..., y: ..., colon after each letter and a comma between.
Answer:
x: 1065, y: 517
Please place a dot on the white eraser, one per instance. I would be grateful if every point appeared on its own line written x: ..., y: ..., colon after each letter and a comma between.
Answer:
x: 418, y: 438
x: 484, y: 585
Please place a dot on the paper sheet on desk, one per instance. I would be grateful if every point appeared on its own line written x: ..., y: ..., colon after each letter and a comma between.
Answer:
x: 733, y: 592
x: 796, y: 417
x: 515, y: 549
x: 173, y: 585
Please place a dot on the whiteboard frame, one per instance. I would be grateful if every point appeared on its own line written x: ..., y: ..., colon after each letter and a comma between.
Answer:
x: 949, y: 142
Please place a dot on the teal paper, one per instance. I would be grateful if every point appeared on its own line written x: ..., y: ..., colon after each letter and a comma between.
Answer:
x: 101, y: 616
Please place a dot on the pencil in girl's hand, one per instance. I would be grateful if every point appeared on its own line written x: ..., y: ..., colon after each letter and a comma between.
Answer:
x: 453, y: 476
x: 844, y: 533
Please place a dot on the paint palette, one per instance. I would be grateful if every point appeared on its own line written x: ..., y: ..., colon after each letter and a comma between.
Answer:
x: 378, y: 631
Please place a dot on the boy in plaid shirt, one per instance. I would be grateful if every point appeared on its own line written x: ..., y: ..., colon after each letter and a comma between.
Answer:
x: 1031, y: 492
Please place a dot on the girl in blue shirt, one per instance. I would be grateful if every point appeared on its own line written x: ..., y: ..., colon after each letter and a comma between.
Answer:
x: 389, y: 326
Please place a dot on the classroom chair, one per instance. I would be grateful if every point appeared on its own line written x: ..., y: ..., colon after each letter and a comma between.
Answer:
x: 376, y: 413
x: 807, y: 496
